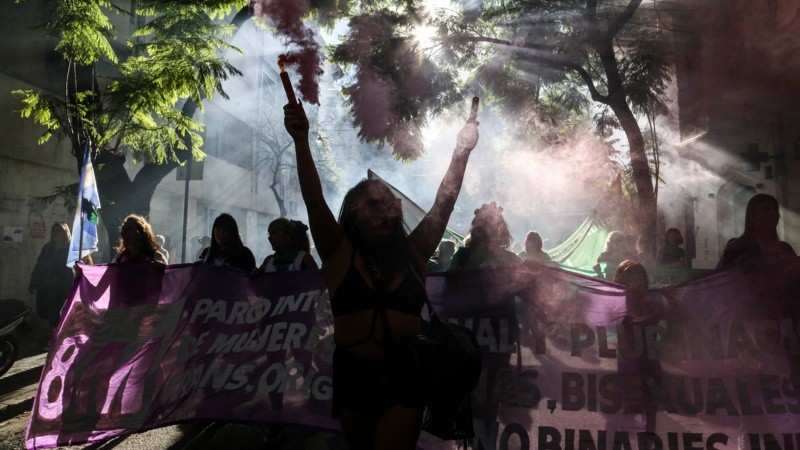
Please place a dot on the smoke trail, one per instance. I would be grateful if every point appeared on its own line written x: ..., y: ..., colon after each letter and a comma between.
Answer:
x: 286, y: 16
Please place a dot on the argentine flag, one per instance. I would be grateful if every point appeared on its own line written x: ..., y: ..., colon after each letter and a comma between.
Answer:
x: 84, y: 227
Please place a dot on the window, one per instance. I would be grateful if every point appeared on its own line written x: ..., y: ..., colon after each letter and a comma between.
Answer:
x: 228, y: 138
x: 269, y: 86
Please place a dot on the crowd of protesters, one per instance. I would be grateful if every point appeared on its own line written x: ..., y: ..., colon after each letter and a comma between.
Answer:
x: 375, y: 274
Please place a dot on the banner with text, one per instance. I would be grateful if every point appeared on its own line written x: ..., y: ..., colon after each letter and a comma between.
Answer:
x: 565, y: 366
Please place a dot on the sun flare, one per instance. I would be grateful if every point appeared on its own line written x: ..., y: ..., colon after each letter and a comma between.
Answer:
x: 424, y: 35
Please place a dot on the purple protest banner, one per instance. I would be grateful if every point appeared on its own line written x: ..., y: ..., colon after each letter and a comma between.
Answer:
x: 138, y: 349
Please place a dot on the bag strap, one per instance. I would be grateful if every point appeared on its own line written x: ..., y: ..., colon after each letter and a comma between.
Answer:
x: 370, y: 339
x: 431, y: 312
x: 380, y: 308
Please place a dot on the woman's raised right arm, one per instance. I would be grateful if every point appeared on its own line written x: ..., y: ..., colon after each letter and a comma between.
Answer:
x: 324, y: 229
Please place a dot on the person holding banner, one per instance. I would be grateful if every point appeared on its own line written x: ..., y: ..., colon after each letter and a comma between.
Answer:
x: 292, y: 252
x: 487, y: 247
x: 642, y: 314
x: 533, y: 249
x: 367, y: 261
x: 227, y: 248
x: 487, y: 243
x: 137, y: 242
x: 292, y: 248
x: 760, y: 241
x: 616, y: 250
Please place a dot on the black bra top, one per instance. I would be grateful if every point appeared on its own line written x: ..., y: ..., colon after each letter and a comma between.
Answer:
x: 354, y: 295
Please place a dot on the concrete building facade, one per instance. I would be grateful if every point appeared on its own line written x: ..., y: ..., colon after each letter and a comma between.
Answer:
x: 233, y: 175
x: 738, y: 84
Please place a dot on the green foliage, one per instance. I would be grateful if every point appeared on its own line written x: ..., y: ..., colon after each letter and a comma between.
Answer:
x: 395, y: 86
x: 175, y: 58
x: 540, y: 61
x: 647, y: 70
x: 43, y: 109
x: 66, y: 195
x: 328, y: 12
x: 83, y: 30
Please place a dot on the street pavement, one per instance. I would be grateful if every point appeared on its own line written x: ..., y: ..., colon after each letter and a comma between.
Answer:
x: 18, y: 388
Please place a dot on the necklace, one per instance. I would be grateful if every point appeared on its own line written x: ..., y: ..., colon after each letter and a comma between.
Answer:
x: 376, y: 271
x: 374, y: 266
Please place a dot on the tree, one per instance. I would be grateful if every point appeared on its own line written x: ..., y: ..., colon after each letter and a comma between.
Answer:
x: 275, y: 155
x: 144, y: 110
x: 411, y: 62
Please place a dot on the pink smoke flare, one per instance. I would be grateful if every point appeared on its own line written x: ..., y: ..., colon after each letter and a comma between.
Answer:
x: 287, y: 17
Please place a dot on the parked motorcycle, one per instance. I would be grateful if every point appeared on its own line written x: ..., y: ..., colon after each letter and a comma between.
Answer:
x: 13, y: 314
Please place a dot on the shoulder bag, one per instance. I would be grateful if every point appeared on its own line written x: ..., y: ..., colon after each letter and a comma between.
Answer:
x: 444, y: 362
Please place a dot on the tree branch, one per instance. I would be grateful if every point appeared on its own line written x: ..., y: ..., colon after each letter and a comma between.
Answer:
x: 587, y: 78
x: 623, y: 18
x: 458, y: 39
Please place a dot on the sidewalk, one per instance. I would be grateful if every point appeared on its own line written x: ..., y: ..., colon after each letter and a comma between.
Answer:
x: 18, y: 386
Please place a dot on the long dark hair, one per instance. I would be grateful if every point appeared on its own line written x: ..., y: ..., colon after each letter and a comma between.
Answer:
x: 301, y: 236
x: 756, y: 201
x: 296, y: 230
x: 226, y: 222
x: 489, y: 229
x: 63, y: 229
x: 535, y: 240
x: 393, y: 256
x: 149, y: 246
x: 676, y: 232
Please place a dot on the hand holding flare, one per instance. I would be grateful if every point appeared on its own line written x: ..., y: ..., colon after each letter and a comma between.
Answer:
x: 467, y: 138
x: 473, y: 111
x: 287, y: 84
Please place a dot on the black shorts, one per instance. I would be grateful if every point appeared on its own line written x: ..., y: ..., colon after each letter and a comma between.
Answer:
x: 369, y: 386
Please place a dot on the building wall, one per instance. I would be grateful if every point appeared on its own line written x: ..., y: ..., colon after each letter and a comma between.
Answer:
x: 27, y: 171
x: 737, y: 77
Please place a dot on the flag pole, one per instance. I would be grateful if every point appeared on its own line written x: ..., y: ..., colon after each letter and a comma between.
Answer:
x: 80, y: 203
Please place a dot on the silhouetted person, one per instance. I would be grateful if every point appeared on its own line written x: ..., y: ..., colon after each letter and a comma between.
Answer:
x: 486, y: 247
x: 226, y: 247
x: 162, y: 241
x: 440, y: 261
x: 51, y: 279
x: 775, y: 291
x: 616, y: 250
x: 369, y: 264
x: 760, y: 237
x: 643, y: 367
x: 643, y: 253
x: 137, y: 242
x: 533, y: 249
x: 292, y: 250
x: 671, y: 254
x: 487, y: 243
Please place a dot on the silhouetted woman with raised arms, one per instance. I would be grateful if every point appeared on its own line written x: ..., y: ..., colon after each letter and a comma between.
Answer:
x: 368, y: 260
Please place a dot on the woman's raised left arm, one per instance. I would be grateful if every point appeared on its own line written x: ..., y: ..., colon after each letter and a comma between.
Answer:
x: 426, y: 236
